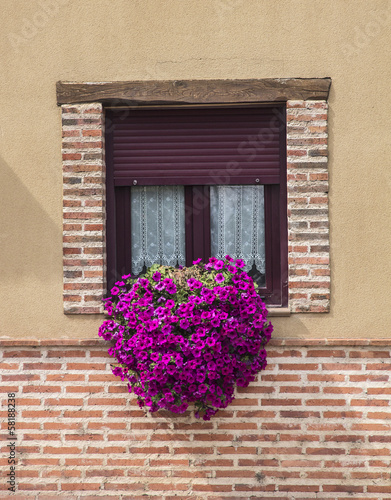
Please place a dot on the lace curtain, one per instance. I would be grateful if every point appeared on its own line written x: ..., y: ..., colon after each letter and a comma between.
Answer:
x: 158, y: 226
x: 238, y: 224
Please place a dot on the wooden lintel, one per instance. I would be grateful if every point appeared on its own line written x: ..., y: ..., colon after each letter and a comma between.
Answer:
x: 194, y: 91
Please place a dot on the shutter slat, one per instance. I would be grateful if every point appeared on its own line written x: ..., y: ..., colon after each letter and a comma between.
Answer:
x: 194, y: 146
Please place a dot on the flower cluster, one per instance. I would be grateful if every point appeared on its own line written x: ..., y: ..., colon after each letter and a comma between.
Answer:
x: 187, y: 335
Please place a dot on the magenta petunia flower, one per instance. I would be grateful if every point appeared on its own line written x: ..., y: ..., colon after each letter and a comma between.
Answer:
x: 219, y: 265
x: 184, y: 323
x: 219, y: 278
x: 171, y: 288
x: 210, y: 341
x: 156, y: 276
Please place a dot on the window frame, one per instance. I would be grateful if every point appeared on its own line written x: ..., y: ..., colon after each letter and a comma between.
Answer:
x: 118, y: 231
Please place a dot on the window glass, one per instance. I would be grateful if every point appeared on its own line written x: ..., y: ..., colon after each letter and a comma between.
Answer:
x: 157, y: 226
x: 237, y: 221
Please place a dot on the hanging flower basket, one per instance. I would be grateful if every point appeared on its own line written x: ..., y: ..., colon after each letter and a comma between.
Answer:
x: 187, y: 335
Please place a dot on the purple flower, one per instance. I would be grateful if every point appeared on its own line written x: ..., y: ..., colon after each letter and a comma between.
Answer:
x: 240, y: 263
x: 219, y: 278
x: 211, y: 365
x: 115, y: 290
x: 184, y: 323
x: 166, y: 358
x: 195, y: 262
x: 156, y: 276
x: 171, y: 288
x: 169, y: 397
x: 219, y: 265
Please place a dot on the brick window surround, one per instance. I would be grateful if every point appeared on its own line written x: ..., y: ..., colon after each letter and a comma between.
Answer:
x: 83, y: 159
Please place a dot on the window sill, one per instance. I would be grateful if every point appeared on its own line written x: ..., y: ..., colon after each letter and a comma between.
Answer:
x: 279, y: 311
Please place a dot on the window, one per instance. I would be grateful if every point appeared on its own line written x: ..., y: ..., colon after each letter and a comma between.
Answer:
x: 189, y: 182
x: 295, y: 191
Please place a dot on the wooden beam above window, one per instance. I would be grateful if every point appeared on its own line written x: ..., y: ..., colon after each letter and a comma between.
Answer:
x: 194, y: 91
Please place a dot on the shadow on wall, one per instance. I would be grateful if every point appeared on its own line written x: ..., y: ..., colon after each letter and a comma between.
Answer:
x: 30, y: 242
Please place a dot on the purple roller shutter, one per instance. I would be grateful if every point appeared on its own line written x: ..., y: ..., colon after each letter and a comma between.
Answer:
x: 197, y: 146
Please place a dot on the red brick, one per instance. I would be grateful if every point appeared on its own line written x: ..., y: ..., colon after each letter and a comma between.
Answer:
x: 150, y: 449
x: 301, y: 463
x: 330, y: 377
x: 71, y: 156
x: 41, y: 366
x: 75, y: 353
x: 299, y: 437
x: 280, y: 378
x: 341, y: 366
x: 211, y: 487
x: 345, y: 489
x: 342, y: 414
x: 326, y: 353
x: 92, y: 133
x: 22, y: 354
x: 37, y: 487
x: 78, y: 414
x: 298, y: 366
x: 299, y: 487
x: 325, y: 451
x: 82, y: 486
x: 299, y: 414
x: 65, y: 377
x: 296, y: 389
x: 256, y: 414
x: 62, y: 450
x: 370, y: 452
x: 379, y: 366
x: 64, y: 402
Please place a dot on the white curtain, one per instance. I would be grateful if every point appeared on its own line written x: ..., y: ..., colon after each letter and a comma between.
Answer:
x: 158, y: 226
x: 237, y: 218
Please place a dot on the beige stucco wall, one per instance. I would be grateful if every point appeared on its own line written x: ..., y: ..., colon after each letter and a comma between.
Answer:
x: 100, y: 40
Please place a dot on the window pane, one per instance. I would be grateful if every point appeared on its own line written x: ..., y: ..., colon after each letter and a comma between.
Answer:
x: 237, y: 220
x: 158, y: 226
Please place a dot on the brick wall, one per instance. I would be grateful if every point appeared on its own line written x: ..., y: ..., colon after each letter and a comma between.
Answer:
x: 315, y: 425
x: 84, y: 213
x: 84, y: 210
x: 308, y: 221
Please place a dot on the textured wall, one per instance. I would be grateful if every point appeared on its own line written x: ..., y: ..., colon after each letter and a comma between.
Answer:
x: 98, y: 40
x: 315, y: 425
